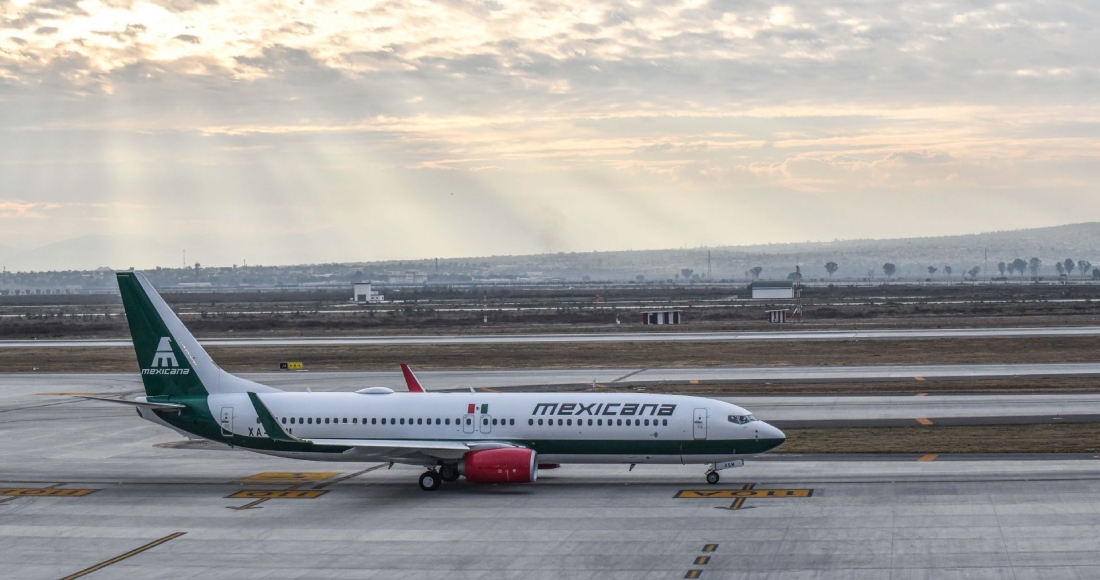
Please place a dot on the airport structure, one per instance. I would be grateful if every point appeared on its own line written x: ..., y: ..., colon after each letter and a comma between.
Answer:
x: 362, y: 293
x: 772, y: 290
x: 662, y: 317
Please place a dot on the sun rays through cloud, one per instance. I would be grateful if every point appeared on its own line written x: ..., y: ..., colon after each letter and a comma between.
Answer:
x: 323, y: 131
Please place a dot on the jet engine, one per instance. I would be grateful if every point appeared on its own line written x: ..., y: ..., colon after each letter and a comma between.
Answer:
x: 511, y: 465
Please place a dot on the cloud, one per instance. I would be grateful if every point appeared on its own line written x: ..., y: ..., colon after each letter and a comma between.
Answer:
x: 15, y: 209
x: 673, y: 107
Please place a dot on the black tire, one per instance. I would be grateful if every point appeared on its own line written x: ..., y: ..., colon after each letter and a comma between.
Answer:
x: 448, y: 473
x: 430, y: 481
x: 712, y: 477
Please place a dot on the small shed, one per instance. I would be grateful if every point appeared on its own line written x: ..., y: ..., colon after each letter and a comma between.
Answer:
x: 772, y: 290
x: 777, y: 316
x: 661, y: 317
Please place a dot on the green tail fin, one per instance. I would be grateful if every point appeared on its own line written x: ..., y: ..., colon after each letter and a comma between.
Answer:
x: 165, y: 350
x: 172, y: 362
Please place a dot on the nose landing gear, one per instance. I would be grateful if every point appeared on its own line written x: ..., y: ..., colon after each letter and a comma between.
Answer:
x: 712, y: 477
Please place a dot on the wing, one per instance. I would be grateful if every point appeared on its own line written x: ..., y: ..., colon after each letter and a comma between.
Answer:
x: 416, y: 451
x: 411, y: 450
x: 410, y: 380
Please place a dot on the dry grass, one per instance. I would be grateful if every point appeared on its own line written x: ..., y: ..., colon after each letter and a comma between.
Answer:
x: 1059, y: 438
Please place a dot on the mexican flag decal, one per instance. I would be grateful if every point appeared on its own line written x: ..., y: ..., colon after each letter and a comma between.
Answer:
x: 472, y: 408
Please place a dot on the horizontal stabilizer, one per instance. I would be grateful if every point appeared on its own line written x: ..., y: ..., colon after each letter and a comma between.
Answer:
x: 169, y: 407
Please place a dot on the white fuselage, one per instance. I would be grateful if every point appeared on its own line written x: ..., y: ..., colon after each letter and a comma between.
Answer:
x: 562, y: 427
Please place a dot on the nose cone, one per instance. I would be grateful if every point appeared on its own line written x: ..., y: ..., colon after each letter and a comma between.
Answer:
x: 771, y: 436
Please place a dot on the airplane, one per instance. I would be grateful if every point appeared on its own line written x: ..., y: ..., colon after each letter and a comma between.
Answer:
x: 491, y: 438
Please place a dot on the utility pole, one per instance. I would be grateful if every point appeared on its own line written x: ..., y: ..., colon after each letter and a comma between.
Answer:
x: 185, y: 258
x: 708, y: 264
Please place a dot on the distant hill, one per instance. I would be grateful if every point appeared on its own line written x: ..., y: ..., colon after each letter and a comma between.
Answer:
x: 89, y: 252
x: 856, y: 259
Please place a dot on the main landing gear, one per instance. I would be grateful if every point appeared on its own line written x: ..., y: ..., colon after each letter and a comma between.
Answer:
x: 449, y: 473
x: 430, y: 480
x: 712, y: 477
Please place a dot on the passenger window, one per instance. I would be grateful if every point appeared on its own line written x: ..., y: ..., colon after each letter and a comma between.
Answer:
x: 569, y: 422
x: 402, y: 420
x: 619, y: 422
x: 355, y: 420
x: 345, y: 420
x: 590, y: 422
x: 284, y: 420
x: 647, y: 422
x: 373, y: 421
x: 326, y: 420
x: 437, y: 421
x: 511, y: 421
x: 311, y: 420
x: 257, y: 420
x: 447, y: 421
x: 559, y: 422
x: 540, y: 421
x: 292, y: 420
x: 494, y: 421
x: 530, y: 421
x: 469, y: 421
x: 599, y: 422
x: 664, y: 422
x: 419, y: 421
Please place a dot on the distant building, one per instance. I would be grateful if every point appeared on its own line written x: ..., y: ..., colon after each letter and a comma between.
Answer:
x: 362, y: 294
x: 772, y: 290
x: 409, y: 277
x: 661, y: 317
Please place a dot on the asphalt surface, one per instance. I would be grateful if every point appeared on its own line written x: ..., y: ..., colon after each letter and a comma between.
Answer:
x: 88, y: 486
x: 778, y: 335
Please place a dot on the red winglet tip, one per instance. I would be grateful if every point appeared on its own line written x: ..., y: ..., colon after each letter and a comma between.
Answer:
x: 410, y: 379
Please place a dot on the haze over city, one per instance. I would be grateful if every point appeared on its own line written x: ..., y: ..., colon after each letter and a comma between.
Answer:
x: 278, y: 132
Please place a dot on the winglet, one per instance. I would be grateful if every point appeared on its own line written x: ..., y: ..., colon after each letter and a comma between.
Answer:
x: 274, y: 430
x: 410, y: 379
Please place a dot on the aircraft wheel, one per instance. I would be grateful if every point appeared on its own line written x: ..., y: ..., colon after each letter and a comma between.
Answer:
x: 430, y: 481
x: 448, y: 473
x: 712, y: 477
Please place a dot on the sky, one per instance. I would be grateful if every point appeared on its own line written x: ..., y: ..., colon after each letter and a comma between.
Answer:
x: 316, y: 131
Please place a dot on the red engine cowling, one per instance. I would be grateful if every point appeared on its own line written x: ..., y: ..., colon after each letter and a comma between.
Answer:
x: 512, y: 465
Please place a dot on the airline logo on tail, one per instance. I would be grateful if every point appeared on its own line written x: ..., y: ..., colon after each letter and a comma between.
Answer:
x: 164, y: 361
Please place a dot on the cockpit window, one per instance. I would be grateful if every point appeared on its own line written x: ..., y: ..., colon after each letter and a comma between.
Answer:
x: 742, y: 419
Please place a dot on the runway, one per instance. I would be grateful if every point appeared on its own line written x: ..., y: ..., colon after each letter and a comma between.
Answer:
x: 505, y: 378
x: 778, y: 335
x: 89, y: 486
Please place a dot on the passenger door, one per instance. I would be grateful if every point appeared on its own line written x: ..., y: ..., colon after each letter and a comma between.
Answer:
x: 227, y: 421
x: 700, y: 423
x: 468, y: 424
x: 486, y: 424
